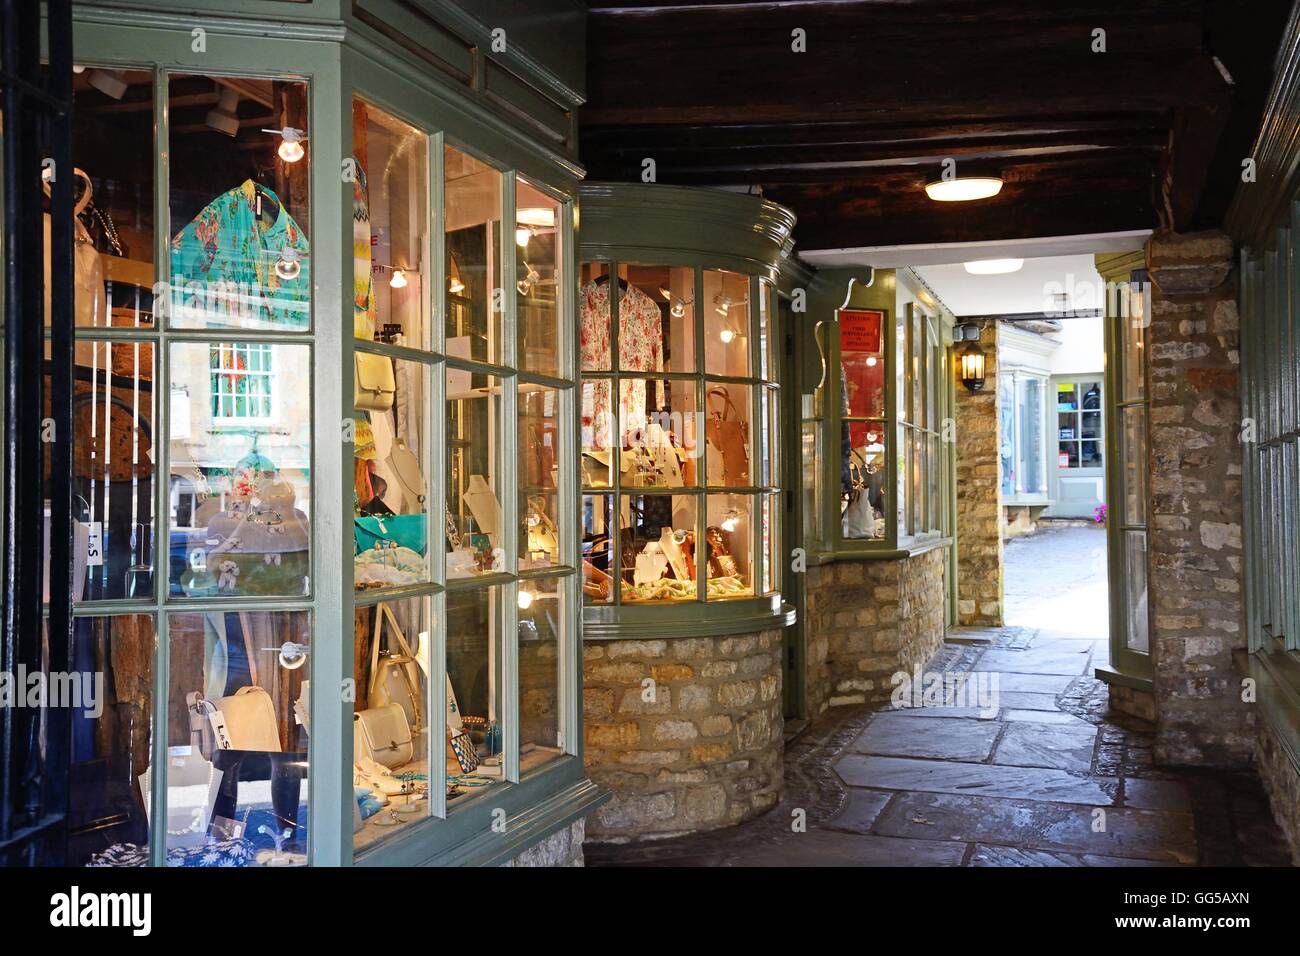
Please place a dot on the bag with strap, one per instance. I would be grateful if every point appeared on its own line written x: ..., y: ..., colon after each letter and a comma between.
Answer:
x: 250, y: 720
x: 376, y: 384
x: 384, y: 735
x: 407, y: 531
x: 394, y: 674
x: 859, y: 518
x: 90, y: 303
x: 731, y: 439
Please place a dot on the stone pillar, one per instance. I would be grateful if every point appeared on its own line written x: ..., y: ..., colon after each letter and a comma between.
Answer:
x: 1195, y: 582
x: 979, y: 525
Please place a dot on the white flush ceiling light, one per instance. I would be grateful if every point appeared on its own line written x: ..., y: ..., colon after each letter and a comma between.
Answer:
x: 539, y: 217
x: 964, y: 189
x: 993, y: 267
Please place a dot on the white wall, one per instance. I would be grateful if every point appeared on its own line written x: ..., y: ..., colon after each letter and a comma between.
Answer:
x: 1082, y: 348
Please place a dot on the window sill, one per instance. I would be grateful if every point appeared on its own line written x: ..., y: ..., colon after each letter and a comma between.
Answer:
x: 1116, y: 678
x: 639, y: 622
x: 880, y: 551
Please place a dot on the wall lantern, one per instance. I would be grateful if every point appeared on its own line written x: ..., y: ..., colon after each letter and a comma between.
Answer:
x: 971, y: 358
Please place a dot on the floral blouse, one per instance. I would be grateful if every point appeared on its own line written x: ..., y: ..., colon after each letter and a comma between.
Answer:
x: 223, y: 265
x: 640, y: 349
x: 363, y: 304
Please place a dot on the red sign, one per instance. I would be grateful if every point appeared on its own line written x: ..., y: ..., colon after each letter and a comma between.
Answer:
x: 860, y: 330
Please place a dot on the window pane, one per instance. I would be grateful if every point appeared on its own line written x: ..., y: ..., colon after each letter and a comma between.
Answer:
x: 113, y: 150
x: 594, y: 309
x: 112, y: 724
x: 1133, y: 327
x: 473, y: 492
x: 239, y: 202
x: 862, y: 504
x: 656, y: 330
x: 1135, y: 559
x: 661, y: 446
x: 767, y: 547
x: 810, y: 446
x: 390, y: 226
x: 392, y: 714
x: 475, y: 704
x: 597, y: 549
x: 113, y: 455
x: 238, y: 697
x: 540, y: 514
x: 726, y: 323
x: 240, y: 445
x: 1031, y: 441
x: 538, y: 219
x: 598, y: 431
x: 541, y: 623
x: 766, y: 304
x: 1133, y: 455
x: 1010, y: 449
x: 729, y: 537
x: 728, y: 434
x: 862, y: 355
x: 390, y: 490
x: 472, y: 193
x: 658, y: 547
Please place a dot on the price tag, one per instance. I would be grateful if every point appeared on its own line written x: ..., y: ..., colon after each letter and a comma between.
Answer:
x: 94, y: 543
x: 219, y: 729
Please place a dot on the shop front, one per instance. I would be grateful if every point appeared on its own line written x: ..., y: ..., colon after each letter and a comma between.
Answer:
x: 326, y: 444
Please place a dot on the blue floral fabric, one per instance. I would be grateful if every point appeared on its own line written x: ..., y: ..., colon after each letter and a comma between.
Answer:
x: 224, y: 265
x: 223, y: 853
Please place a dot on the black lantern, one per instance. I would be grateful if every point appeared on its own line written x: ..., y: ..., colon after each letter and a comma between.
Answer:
x: 972, y: 367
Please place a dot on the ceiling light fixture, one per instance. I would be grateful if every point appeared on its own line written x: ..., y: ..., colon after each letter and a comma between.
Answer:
x: 223, y: 117
x: 108, y: 82
x: 455, y: 286
x: 539, y: 217
x: 993, y: 267
x: 964, y: 189
x: 291, y: 139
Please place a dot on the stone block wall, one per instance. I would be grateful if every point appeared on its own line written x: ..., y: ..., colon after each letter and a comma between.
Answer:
x: 872, y: 619
x: 561, y: 848
x: 979, y: 524
x: 686, y: 733
x: 1194, y: 547
x: 1281, y: 779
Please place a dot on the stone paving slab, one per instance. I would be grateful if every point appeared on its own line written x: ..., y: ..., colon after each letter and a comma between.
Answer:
x: 826, y: 848
x: 1033, y: 683
x: 860, y: 811
x: 1046, y: 745
x: 1156, y: 794
x: 1045, y: 717
x: 953, y: 739
x: 943, y: 776
x: 1015, y: 856
x: 1032, y: 825
x: 974, y: 713
x: 1020, y: 701
x: 1071, y: 660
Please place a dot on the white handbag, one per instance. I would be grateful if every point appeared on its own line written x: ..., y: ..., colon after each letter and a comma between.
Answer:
x: 90, y: 304
x: 383, y: 735
x: 395, y: 675
x: 250, y: 720
x: 376, y: 384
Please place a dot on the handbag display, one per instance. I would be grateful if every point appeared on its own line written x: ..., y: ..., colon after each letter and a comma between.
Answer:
x: 406, y: 531
x: 394, y: 674
x: 730, y: 437
x: 250, y: 720
x: 653, y: 461
x: 384, y: 735
x: 376, y: 383
x: 90, y: 303
x: 721, y: 563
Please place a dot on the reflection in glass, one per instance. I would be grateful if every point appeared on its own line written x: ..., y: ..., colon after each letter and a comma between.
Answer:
x: 109, y: 775
x: 1133, y: 455
x: 472, y: 194
x: 390, y: 517
x: 658, y: 548
x: 474, y: 703
x: 391, y: 722
x: 541, y: 625
x: 473, y: 492
x: 239, y: 705
x: 240, y: 255
x: 240, y: 453
x: 1135, y: 560
x: 390, y: 215
x: 538, y: 221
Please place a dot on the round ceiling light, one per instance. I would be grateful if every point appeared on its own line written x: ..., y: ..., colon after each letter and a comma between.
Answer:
x: 964, y: 189
x: 993, y: 267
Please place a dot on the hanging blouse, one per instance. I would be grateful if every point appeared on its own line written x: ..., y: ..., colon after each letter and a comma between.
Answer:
x: 640, y: 349
x: 223, y: 265
x: 363, y: 292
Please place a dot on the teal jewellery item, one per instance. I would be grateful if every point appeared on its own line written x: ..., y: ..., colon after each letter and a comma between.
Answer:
x: 231, y: 267
x: 406, y: 531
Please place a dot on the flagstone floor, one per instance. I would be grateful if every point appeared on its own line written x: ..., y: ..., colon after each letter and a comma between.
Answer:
x: 1047, y: 777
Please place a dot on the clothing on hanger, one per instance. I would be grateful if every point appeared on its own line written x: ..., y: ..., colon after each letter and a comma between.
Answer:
x: 640, y: 349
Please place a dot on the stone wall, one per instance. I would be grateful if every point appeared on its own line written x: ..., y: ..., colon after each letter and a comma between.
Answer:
x: 561, y: 848
x: 979, y: 525
x: 871, y: 619
x: 1019, y: 520
x: 687, y: 733
x: 1281, y: 779
x: 1194, y: 547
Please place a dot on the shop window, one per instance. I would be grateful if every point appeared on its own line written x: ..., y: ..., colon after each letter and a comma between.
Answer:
x: 242, y: 376
x: 1022, y: 414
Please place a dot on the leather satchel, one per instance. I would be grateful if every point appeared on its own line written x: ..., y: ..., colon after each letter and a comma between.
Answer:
x: 376, y: 383
x: 383, y: 735
x: 250, y: 720
x: 730, y: 437
x: 394, y: 674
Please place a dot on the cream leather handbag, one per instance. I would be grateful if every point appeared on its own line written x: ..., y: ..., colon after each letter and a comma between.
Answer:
x: 250, y: 720
x: 376, y: 385
x: 394, y: 674
x: 90, y: 304
x: 383, y: 735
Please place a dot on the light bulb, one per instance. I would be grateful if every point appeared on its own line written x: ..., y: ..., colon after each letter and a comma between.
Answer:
x: 288, y: 266
x: 398, y: 279
x: 455, y: 286
x: 678, y: 309
x: 993, y: 267
x: 726, y: 335
x: 526, y: 599
x: 291, y: 149
x: 871, y: 360
x: 963, y: 189
x: 730, y: 521
x: 522, y: 235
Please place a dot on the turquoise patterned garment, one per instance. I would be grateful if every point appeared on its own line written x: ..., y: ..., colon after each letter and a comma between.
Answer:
x: 224, y: 265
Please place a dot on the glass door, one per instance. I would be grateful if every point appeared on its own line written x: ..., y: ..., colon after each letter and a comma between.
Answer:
x: 1079, y: 482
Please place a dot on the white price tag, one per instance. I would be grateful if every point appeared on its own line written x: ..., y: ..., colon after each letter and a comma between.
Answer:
x: 219, y: 729
x: 94, y: 543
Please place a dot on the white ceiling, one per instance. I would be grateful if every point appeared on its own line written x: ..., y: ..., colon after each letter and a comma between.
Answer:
x: 1029, y: 290
x: 893, y: 257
